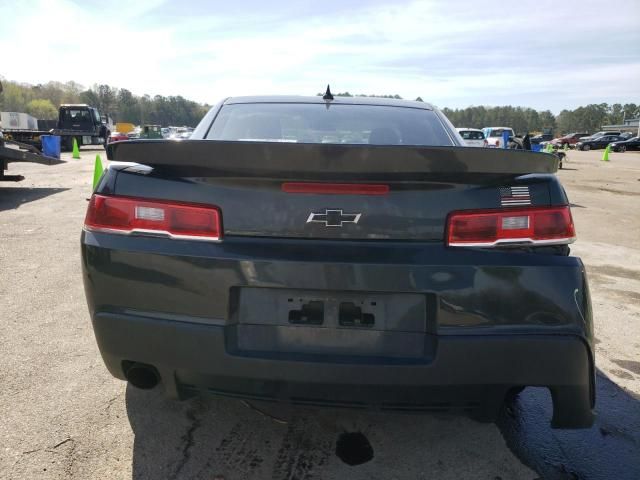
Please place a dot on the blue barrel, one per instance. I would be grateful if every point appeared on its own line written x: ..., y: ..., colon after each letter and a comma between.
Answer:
x: 505, y: 139
x: 536, y: 147
x: 51, y: 145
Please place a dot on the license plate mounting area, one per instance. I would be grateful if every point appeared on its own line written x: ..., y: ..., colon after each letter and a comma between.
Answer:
x: 330, y: 322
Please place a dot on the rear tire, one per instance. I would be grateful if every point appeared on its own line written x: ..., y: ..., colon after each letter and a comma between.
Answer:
x: 622, y: 149
x: 586, y: 148
x: 513, y: 393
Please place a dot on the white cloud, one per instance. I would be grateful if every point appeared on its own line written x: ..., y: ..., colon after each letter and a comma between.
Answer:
x: 540, y: 54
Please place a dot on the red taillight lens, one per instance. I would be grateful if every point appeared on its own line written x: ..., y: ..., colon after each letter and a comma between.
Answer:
x: 136, y: 215
x: 488, y: 228
x: 497, y: 143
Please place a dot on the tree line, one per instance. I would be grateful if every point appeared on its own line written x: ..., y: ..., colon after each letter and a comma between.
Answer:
x: 42, y: 101
x: 588, y: 119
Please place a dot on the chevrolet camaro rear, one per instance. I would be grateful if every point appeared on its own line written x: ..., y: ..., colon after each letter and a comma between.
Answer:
x: 346, y: 252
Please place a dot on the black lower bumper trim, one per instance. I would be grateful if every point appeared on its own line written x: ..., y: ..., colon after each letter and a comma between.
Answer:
x: 466, y: 371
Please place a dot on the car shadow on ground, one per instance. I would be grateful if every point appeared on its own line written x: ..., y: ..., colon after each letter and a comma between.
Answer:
x: 610, y: 449
x: 12, y: 198
x: 210, y: 436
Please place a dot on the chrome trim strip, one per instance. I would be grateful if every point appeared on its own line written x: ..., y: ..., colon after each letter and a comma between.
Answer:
x: 151, y: 233
x: 515, y: 242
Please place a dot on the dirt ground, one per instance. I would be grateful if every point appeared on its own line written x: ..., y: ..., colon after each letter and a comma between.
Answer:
x: 63, y: 416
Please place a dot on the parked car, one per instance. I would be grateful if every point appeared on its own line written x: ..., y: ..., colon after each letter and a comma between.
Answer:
x: 598, y: 135
x: 628, y: 144
x: 569, y: 139
x: 598, y: 142
x: 494, y: 135
x: 543, y: 137
x: 181, y: 133
x: 117, y: 137
x: 301, y: 253
x: 135, y: 133
x: 472, y: 137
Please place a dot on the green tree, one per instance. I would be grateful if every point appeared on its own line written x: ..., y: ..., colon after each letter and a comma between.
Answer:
x: 106, y: 98
x: 127, y: 107
x: 14, y: 98
x: 72, y: 91
x: 546, y: 120
x: 90, y: 97
x: 42, y: 109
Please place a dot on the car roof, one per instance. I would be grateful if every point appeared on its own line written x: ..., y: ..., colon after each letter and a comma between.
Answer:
x: 468, y: 129
x: 336, y: 100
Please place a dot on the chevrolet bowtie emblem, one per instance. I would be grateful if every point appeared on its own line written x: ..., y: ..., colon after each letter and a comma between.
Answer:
x: 333, y: 217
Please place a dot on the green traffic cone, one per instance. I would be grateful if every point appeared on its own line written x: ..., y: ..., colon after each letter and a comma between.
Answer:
x: 97, y: 171
x: 76, y: 150
x: 566, y: 147
x: 605, y: 155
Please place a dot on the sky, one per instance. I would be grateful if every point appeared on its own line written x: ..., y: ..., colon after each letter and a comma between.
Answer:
x: 541, y: 54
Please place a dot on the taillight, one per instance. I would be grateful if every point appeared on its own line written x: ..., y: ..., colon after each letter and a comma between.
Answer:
x: 130, y: 215
x: 514, y: 226
x: 497, y: 143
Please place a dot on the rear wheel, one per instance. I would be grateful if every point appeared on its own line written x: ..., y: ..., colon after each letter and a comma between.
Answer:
x: 622, y: 149
x: 513, y: 393
x: 586, y: 148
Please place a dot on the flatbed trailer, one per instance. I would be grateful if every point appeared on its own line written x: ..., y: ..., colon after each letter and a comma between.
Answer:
x: 12, y: 151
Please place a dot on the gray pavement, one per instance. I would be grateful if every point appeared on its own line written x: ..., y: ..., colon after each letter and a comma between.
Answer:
x: 63, y: 416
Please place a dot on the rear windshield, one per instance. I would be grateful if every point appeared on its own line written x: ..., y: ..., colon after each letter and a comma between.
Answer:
x: 499, y: 131
x: 471, y: 135
x: 77, y: 115
x: 317, y: 123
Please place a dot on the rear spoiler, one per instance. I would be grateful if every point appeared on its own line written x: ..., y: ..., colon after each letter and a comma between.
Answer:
x: 191, y: 158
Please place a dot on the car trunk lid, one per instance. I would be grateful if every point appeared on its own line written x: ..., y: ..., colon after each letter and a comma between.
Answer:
x: 276, y: 189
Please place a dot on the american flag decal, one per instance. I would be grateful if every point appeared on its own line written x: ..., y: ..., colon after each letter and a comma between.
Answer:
x: 514, y: 196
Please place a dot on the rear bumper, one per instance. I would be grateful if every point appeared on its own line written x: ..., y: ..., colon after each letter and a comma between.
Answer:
x: 494, y: 320
x: 467, y: 372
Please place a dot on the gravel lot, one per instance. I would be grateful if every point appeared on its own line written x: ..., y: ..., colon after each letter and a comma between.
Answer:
x: 63, y: 416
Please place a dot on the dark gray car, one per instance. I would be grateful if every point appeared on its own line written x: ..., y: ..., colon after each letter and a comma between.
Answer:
x: 345, y: 251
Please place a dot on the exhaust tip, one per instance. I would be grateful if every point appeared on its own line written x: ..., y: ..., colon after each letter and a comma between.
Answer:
x: 142, y: 376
